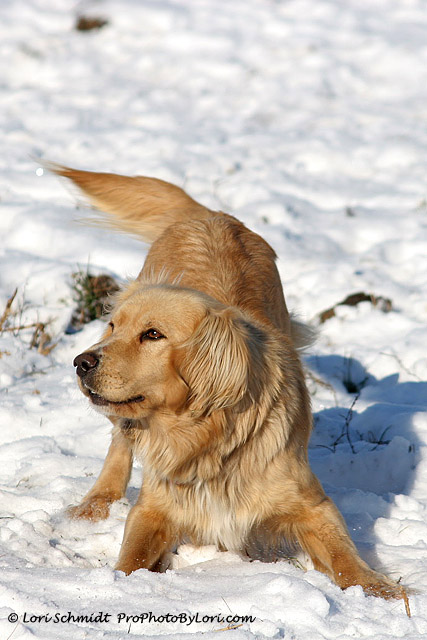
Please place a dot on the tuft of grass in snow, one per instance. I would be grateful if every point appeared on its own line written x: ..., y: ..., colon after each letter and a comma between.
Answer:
x: 91, y: 293
x: 41, y: 340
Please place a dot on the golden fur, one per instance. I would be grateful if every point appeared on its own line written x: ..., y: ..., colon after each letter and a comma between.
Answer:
x: 199, y: 373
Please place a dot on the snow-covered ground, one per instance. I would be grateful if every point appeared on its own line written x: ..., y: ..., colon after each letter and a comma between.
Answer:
x: 307, y: 119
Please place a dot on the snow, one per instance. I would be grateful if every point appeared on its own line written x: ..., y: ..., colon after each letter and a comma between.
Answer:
x: 306, y: 119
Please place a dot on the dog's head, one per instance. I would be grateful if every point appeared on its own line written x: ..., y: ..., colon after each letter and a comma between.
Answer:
x: 168, y: 348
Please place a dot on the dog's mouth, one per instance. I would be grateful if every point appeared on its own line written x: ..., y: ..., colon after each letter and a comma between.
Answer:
x: 100, y: 401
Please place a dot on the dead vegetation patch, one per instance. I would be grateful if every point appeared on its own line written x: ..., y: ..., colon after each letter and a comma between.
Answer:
x: 40, y: 340
x: 92, y: 294
x: 89, y: 23
x: 383, y: 304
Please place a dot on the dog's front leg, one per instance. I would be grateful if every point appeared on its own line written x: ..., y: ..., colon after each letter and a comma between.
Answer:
x: 148, y: 537
x: 111, y: 483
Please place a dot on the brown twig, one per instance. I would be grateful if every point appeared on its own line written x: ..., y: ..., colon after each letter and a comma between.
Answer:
x: 41, y: 339
x: 348, y: 419
x: 6, y: 311
x: 21, y: 327
x: 230, y: 627
x: 407, y: 607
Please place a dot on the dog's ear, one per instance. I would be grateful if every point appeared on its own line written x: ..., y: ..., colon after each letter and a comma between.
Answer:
x: 215, y: 362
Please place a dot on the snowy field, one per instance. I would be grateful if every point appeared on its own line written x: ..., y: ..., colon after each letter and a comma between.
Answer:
x: 307, y: 119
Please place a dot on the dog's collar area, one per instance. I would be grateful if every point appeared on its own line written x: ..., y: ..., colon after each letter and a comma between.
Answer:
x: 127, y: 424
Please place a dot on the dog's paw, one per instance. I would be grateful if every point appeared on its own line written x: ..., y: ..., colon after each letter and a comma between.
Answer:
x: 128, y: 565
x: 93, y: 508
x: 382, y: 587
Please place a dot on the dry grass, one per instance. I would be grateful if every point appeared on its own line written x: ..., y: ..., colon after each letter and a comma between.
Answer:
x: 91, y: 293
x: 40, y: 340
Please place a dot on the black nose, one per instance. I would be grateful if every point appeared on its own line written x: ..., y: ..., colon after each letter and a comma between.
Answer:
x: 85, y: 362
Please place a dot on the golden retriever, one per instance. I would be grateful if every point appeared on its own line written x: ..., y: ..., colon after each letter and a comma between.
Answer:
x: 199, y: 373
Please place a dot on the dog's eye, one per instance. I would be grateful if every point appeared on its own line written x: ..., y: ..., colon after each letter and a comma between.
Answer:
x: 111, y: 324
x: 151, y: 334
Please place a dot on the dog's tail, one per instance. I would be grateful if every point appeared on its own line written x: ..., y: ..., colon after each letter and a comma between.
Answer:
x: 144, y: 207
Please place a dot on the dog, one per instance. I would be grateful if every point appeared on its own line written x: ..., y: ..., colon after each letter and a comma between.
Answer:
x: 199, y: 372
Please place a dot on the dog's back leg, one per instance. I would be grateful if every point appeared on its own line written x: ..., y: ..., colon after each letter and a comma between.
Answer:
x: 317, y: 525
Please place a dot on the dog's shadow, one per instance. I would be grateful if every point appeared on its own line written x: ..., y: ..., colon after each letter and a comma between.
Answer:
x: 367, y: 452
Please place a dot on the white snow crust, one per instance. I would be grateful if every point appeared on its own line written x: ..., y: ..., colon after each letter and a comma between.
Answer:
x: 307, y: 119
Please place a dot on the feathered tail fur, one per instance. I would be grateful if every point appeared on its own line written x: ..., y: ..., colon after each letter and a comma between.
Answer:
x: 144, y: 207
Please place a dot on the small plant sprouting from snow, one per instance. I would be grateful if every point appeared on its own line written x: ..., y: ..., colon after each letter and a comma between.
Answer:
x: 91, y: 293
